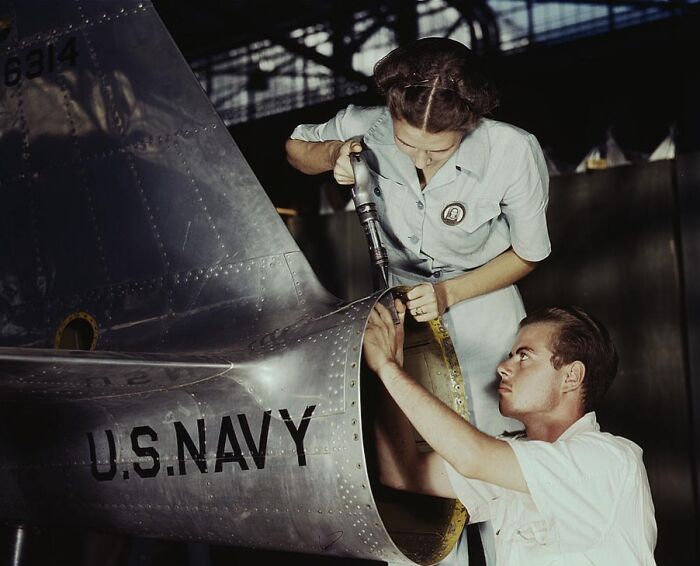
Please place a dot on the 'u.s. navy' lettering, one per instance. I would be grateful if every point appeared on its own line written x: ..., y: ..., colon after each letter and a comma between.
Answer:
x: 145, y: 452
x: 235, y: 444
x: 227, y: 434
x: 258, y: 452
x: 298, y: 433
x: 109, y: 474
x: 185, y: 440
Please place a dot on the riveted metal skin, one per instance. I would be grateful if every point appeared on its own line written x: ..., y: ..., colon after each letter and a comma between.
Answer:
x: 123, y: 196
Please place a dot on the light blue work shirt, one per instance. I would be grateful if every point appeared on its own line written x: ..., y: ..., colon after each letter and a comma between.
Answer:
x: 498, y: 176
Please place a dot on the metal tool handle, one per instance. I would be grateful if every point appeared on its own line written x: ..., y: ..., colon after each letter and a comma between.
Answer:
x: 362, y: 196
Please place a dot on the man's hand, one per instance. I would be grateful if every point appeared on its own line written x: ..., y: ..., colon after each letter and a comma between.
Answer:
x: 383, y: 341
x: 342, y: 170
x: 426, y: 301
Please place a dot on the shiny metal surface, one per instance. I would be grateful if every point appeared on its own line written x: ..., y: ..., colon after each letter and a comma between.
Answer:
x: 122, y: 152
x: 126, y: 203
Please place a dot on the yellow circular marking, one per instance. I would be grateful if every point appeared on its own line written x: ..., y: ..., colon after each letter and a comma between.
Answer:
x: 78, y: 331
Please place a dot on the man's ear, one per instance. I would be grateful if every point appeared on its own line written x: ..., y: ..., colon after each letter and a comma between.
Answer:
x: 575, y: 374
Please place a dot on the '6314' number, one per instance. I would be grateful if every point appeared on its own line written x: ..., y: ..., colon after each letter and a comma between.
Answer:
x: 40, y: 61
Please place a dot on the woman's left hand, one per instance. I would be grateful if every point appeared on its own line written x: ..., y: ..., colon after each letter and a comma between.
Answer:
x: 426, y: 301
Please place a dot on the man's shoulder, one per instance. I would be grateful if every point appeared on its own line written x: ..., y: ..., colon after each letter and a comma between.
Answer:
x: 590, y: 452
x: 604, y: 451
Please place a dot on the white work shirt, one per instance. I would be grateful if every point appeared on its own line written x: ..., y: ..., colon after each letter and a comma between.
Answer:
x: 497, y: 178
x: 589, y: 502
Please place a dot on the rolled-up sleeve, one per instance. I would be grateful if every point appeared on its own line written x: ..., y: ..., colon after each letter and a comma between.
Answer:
x: 477, y: 496
x: 525, y: 203
x: 576, y: 485
x: 350, y: 122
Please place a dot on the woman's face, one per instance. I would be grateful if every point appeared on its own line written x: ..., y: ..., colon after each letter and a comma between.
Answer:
x: 427, y: 151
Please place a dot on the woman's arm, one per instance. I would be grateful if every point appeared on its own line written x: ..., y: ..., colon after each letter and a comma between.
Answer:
x: 501, y: 271
x: 313, y: 158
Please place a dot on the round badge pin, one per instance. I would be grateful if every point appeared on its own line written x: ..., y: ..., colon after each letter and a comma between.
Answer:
x: 453, y: 213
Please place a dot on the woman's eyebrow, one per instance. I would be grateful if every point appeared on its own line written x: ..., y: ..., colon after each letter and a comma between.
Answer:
x: 414, y: 147
x: 403, y: 142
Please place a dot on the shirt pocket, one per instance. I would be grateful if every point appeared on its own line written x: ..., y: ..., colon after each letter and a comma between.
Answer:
x: 472, y: 233
x: 390, y: 197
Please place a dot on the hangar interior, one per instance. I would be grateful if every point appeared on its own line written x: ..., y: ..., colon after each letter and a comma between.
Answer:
x: 601, y: 84
x: 609, y: 89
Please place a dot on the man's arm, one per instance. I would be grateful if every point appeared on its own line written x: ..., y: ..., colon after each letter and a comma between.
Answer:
x: 401, y: 465
x: 471, y: 452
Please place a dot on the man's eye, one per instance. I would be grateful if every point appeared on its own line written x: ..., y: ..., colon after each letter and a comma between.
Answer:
x: 523, y: 356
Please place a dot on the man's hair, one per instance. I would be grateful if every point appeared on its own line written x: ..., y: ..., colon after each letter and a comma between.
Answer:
x: 580, y: 337
x: 435, y: 84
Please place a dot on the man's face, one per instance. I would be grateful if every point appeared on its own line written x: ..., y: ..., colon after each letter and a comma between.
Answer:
x: 529, y: 383
x: 427, y: 151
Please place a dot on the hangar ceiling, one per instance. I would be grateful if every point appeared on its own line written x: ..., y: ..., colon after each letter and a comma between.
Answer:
x: 256, y: 58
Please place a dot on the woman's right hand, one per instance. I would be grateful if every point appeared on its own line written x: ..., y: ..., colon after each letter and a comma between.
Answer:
x: 342, y: 170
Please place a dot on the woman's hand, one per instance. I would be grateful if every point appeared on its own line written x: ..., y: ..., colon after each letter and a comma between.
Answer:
x: 427, y: 302
x: 342, y: 170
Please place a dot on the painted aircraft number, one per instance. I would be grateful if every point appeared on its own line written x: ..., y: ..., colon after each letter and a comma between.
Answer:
x: 40, y: 61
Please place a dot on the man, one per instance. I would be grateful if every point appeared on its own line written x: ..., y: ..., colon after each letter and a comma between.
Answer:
x: 561, y: 493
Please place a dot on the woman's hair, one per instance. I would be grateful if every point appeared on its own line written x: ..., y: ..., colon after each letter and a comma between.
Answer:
x: 435, y: 84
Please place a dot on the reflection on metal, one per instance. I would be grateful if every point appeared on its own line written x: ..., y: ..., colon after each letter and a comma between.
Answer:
x: 77, y: 331
x: 125, y: 197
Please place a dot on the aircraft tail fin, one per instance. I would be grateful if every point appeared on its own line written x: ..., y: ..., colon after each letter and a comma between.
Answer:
x: 123, y: 194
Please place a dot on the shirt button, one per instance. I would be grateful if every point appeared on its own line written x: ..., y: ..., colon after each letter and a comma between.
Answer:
x: 437, y: 273
x: 377, y: 191
x: 420, y: 205
x: 413, y: 238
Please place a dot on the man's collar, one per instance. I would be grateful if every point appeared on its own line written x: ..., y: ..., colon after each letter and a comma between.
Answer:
x: 587, y: 423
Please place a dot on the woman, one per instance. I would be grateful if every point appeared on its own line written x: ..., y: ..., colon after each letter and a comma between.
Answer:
x: 461, y: 200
